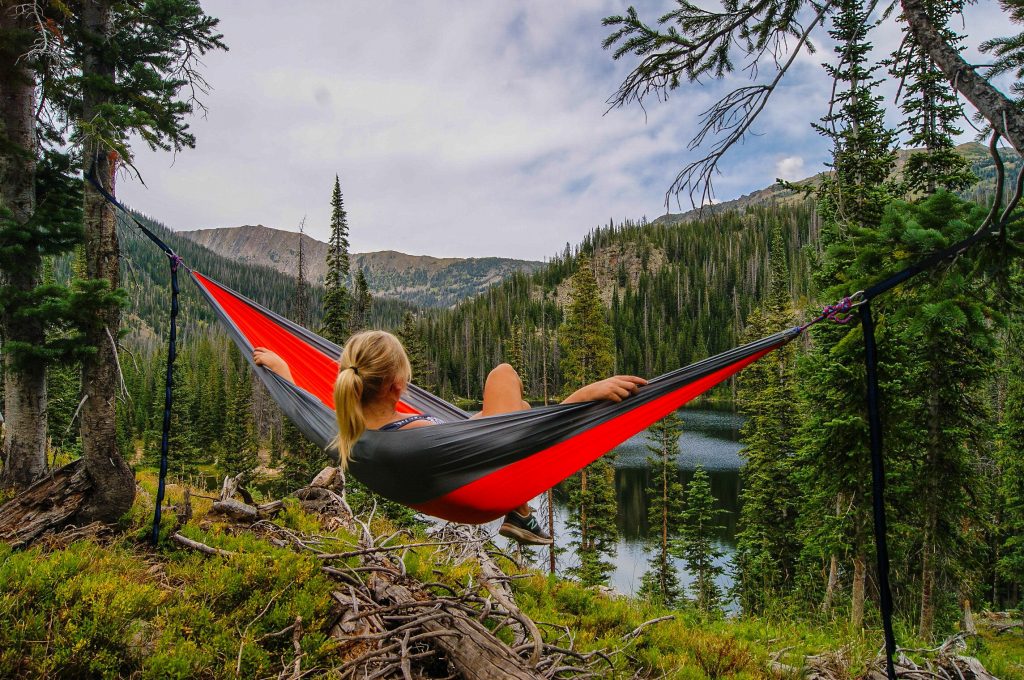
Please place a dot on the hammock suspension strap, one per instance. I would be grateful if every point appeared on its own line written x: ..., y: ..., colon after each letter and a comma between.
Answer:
x: 175, y: 261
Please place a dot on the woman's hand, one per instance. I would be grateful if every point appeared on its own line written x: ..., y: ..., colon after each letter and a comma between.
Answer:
x: 261, y: 356
x: 615, y: 388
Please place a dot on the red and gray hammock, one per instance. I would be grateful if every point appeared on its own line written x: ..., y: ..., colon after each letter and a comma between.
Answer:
x: 477, y: 470
x: 462, y: 470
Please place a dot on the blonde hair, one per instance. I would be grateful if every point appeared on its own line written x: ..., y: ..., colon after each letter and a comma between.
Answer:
x: 370, y: 362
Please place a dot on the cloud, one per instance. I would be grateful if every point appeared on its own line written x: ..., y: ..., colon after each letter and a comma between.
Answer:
x: 791, y: 168
x: 465, y: 129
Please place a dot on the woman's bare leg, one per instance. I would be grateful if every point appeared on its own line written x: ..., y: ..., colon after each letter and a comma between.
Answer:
x: 503, y: 393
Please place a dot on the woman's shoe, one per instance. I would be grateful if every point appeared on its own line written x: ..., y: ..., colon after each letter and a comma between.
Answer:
x: 525, y: 530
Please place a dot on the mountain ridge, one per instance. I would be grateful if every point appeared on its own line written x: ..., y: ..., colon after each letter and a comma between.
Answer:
x: 424, y: 280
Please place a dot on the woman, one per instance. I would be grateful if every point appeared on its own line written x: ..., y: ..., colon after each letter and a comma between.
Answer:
x: 374, y: 371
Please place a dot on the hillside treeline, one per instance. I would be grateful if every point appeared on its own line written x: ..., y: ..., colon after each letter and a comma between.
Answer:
x: 674, y: 293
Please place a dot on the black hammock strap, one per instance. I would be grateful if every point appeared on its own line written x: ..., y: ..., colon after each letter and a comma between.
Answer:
x: 172, y: 351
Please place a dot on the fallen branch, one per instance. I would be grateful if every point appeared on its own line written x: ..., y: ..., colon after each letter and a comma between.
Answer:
x: 636, y: 631
x: 200, y: 547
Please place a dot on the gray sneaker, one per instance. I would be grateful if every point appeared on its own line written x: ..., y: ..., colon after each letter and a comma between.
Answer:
x: 525, y: 530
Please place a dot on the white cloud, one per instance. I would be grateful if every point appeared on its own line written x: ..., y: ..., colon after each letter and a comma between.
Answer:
x: 791, y: 168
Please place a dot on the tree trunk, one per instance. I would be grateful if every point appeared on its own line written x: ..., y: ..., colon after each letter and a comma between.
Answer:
x: 857, y: 599
x: 1005, y: 117
x: 583, y: 509
x: 113, y: 482
x: 932, y: 490
x: 833, y: 567
x: 928, y: 576
x: 830, y: 587
x: 48, y: 504
x: 24, y: 445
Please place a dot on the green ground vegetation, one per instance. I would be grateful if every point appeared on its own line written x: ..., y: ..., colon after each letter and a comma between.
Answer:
x: 115, y: 607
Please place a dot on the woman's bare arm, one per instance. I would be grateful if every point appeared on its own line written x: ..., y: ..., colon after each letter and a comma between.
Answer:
x: 615, y: 388
x: 262, y: 356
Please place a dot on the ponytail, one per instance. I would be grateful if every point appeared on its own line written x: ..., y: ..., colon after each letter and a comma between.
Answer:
x: 348, y: 407
x: 370, y: 362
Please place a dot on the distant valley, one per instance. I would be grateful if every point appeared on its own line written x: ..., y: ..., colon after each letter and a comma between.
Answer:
x: 420, y: 279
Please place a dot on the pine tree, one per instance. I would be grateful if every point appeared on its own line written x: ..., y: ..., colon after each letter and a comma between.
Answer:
x: 41, y: 321
x: 930, y: 113
x: 300, y: 300
x: 416, y: 350
x: 697, y: 543
x: 766, y: 543
x: 947, y: 327
x: 337, y: 303
x: 592, y: 522
x: 666, y: 502
x: 833, y: 462
x: 585, y: 337
x: 1010, y: 473
x: 134, y: 63
x: 361, y: 302
x: 238, y: 441
x: 514, y: 351
x: 587, y: 356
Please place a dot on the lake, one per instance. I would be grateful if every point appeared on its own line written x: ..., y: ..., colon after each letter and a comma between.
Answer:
x: 711, y: 438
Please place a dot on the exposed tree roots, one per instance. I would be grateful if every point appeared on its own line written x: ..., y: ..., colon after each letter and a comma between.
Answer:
x: 390, y: 625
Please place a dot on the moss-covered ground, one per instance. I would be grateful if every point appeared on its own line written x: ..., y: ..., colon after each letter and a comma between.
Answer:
x: 115, y: 607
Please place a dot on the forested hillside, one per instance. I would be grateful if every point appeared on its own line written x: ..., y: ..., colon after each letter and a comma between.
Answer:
x: 419, y: 279
x: 675, y: 293
x: 147, y: 281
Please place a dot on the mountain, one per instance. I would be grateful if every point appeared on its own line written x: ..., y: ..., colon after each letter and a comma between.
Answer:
x: 976, y: 154
x: 419, y: 279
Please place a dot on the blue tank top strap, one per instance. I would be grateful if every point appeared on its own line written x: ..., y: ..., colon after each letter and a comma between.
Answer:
x: 399, y: 424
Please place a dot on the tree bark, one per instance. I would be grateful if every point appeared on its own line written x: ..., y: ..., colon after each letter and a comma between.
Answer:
x: 113, y: 482
x: 830, y: 586
x: 1005, y: 117
x: 48, y: 504
x: 927, y: 621
x: 857, y: 599
x: 24, y: 445
x: 833, y: 567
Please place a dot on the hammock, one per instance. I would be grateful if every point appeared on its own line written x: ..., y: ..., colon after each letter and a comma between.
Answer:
x: 462, y: 470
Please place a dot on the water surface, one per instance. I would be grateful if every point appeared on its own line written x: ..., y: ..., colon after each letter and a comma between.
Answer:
x: 711, y: 438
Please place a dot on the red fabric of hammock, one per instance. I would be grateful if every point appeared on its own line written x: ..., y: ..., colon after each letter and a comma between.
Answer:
x: 311, y: 369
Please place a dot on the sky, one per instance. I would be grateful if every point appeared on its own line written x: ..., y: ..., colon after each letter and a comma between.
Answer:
x: 457, y: 129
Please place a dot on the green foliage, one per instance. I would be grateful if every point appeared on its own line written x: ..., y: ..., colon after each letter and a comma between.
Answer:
x: 46, y: 322
x: 1010, y: 474
x: 238, y: 440
x: 149, y: 56
x: 362, y: 302
x: 106, y: 613
x: 701, y: 279
x: 767, y: 543
x: 588, y: 354
x: 592, y: 521
x: 666, y: 502
x: 337, y: 306
x: 416, y: 350
x: 514, y: 351
x: 697, y: 544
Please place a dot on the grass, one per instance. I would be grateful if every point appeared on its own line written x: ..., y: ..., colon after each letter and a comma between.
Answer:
x: 116, y: 607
